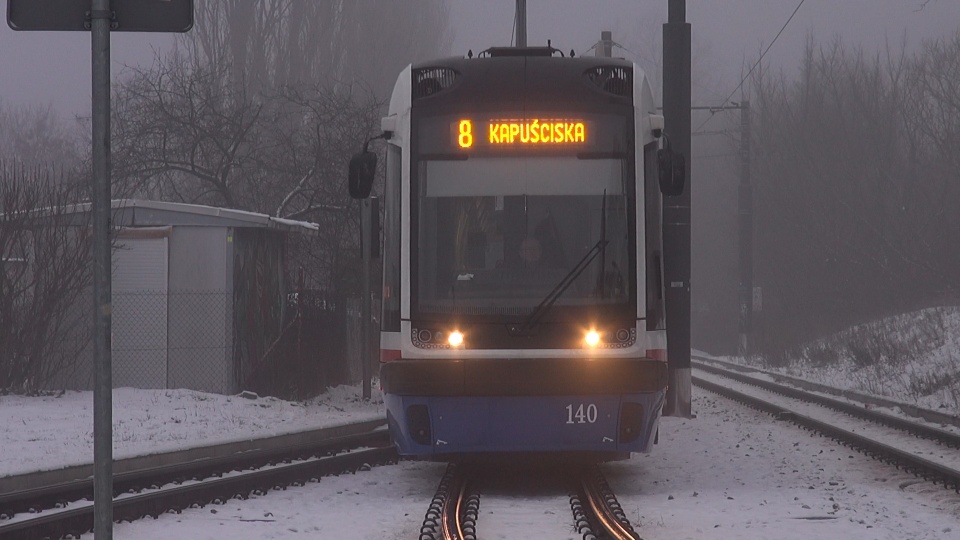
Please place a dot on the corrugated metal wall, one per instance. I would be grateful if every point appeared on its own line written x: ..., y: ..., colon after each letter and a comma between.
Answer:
x: 200, y: 345
x: 139, y: 299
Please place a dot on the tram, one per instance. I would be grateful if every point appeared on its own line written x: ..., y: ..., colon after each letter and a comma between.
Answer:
x: 523, y: 294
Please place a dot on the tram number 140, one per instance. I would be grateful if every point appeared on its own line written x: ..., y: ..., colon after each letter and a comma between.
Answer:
x: 582, y: 414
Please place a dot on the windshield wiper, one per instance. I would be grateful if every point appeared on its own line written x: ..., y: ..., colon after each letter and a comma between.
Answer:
x: 524, y: 328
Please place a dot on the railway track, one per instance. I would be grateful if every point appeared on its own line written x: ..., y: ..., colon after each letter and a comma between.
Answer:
x: 455, y: 508
x: 912, y: 446
x: 56, y: 511
x: 749, y: 374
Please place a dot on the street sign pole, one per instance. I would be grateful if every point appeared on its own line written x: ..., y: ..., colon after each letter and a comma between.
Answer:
x: 100, y: 17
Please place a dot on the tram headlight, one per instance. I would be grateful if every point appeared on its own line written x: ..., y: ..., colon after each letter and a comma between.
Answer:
x: 455, y: 338
x: 592, y: 338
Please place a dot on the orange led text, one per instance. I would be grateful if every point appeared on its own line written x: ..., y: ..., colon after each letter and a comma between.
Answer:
x: 536, y: 132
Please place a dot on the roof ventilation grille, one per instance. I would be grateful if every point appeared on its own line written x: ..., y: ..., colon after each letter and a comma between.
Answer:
x: 613, y: 80
x: 430, y: 81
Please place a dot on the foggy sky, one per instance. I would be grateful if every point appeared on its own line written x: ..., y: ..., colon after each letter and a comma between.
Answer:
x: 54, y: 67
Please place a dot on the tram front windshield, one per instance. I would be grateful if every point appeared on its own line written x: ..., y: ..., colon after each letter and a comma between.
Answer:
x: 497, y: 235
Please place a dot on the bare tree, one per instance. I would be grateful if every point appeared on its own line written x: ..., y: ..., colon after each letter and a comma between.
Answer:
x: 183, y: 134
x: 932, y: 113
x: 43, y: 269
x: 186, y: 134
x: 845, y: 210
x: 262, y: 104
x: 36, y: 135
x: 274, y: 43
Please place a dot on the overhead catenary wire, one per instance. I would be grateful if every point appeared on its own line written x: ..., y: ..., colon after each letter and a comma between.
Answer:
x: 635, y: 54
x: 619, y: 46
x: 757, y: 63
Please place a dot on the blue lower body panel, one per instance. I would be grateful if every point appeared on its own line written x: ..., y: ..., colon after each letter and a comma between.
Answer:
x: 437, y: 425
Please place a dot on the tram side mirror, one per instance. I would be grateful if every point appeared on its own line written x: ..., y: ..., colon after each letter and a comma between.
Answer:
x: 673, y: 171
x: 363, y: 168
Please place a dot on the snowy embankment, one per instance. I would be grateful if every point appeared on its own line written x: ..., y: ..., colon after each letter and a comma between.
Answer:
x: 912, y: 358
x: 52, y: 432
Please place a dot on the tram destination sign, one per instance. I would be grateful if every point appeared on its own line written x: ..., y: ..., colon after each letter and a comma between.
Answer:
x: 462, y: 135
x: 490, y: 133
x: 125, y: 16
x: 520, y: 132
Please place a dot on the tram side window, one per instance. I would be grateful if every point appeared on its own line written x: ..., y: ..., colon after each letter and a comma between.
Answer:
x: 391, y: 240
x: 654, y: 239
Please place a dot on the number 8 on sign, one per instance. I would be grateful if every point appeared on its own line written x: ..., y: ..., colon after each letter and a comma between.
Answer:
x: 465, y: 137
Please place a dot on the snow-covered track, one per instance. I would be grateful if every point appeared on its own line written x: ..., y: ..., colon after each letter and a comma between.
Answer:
x: 596, y: 506
x: 215, y: 483
x: 909, y: 409
x: 903, y: 459
x: 455, y: 508
x: 858, y: 410
x: 452, y: 514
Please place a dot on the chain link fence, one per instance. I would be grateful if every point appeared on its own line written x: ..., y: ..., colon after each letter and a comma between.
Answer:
x: 194, y: 340
x: 197, y: 340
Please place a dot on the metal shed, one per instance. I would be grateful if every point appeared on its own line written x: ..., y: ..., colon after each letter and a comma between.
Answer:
x: 198, y: 294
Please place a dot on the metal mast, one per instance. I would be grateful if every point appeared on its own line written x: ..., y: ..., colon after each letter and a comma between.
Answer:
x: 521, y: 23
x: 676, y: 211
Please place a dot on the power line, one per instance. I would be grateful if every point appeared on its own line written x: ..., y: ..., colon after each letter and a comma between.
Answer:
x: 635, y: 54
x: 744, y: 79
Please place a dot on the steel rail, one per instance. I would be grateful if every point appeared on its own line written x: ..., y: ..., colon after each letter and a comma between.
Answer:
x: 80, y: 520
x: 454, y: 508
x: 452, y: 527
x: 924, y: 468
x: 58, y: 495
x: 602, y: 511
x: 929, y: 415
x: 941, y: 436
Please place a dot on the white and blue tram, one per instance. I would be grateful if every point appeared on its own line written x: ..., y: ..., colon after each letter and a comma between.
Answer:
x: 523, y: 295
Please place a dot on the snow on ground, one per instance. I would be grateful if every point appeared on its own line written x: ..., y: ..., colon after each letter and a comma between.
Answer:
x: 729, y: 473
x: 52, y: 432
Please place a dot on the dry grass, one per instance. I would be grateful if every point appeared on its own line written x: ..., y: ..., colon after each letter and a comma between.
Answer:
x: 912, y: 357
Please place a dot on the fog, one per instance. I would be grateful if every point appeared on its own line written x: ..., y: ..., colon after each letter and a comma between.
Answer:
x: 53, y: 69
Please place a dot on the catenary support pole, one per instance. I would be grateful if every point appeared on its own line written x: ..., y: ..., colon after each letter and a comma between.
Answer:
x: 745, y: 225
x: 605, y: 47
x: 100, y: 16
x: 521, y: 23
x: 676, y: 211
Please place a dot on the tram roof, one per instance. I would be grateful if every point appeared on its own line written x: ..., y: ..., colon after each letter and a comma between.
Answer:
x: 502, y: 75
x: 576, y: 65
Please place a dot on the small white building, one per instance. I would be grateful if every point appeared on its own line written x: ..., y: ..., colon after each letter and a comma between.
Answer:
x: 198, y: 295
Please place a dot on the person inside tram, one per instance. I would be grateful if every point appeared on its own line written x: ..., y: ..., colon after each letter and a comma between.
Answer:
x: 530, y: 251
x: 551, y: 247
x: 543, y: 248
